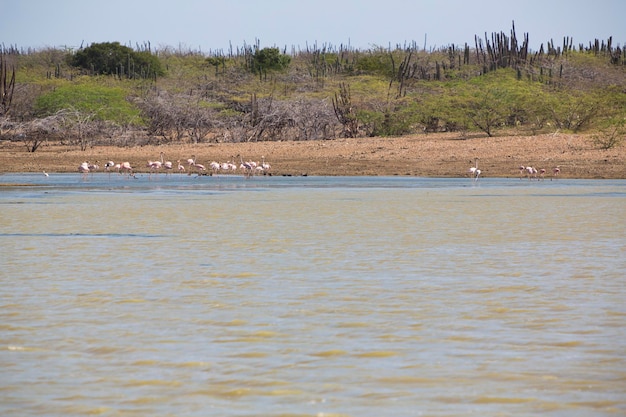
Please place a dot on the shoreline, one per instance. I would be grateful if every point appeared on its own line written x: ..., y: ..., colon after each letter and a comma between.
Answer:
x: 423, y: 155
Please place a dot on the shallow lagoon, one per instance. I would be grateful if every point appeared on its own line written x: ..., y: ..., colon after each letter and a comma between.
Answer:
x: 274, y: 296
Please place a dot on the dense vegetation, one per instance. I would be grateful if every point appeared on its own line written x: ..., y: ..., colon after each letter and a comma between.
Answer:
x: 112, y: 94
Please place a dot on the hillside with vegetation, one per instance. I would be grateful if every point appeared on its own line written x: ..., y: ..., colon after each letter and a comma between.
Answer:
x: 109, y: 94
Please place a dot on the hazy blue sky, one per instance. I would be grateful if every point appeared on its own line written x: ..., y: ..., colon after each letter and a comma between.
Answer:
x: 215, y: 24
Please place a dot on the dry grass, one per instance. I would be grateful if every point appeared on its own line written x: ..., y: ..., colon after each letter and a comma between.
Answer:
x: 432, y: 155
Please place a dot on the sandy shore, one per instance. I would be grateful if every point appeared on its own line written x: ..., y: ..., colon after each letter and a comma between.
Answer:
x: 431, y: 155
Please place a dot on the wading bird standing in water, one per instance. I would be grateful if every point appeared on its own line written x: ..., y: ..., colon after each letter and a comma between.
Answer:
x: 166, y: 164
x: 84, y: 169
x: 125, y: 167
x: 474, y: 171
x: 522, y: 169
x: 555, y: 171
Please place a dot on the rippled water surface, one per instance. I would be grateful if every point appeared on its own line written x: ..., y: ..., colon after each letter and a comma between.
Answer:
x: 311, y: 296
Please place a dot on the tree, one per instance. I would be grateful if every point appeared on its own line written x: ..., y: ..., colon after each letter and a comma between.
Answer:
x: 111, y: 58
x: 269, y: 59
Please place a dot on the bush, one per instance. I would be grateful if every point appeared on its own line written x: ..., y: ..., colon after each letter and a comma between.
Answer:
x: 112, y: 58
x: 269, y: 59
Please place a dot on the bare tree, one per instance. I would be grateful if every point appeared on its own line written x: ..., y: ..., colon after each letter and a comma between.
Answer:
x: 79, y: 124
x: 36, y: 131
x: 312, y: 119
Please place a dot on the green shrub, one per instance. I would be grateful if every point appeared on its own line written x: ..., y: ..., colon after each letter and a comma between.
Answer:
x: 112, y: 58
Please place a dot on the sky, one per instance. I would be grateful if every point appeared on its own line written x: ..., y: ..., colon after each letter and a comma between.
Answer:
x: 215, y: 25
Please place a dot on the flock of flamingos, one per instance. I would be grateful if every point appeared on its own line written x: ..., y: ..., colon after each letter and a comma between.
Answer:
x: 528, y: 171
x: 249, y: 168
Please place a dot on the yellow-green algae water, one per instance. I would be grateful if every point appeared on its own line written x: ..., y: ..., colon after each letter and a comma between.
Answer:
x: 220, y: 296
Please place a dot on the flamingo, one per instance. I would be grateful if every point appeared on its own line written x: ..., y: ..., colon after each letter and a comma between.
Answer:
x: 94, y: 167
x: 167, y: 164
x: 45, y: 174
x: 265, y: 165
x: 531, y: 172
x: 108, y: 166
x: 245, y: 166
x: 542, y: 172
x: 199, y: 167
x: 522, y: 168
x: 215, y: 167
x: 474, y: 171
x: 84, y: 169
x: 192, y: 163
x: 181, y: 168
x: 125, y: 167
x: 555, y: 171
x: 154, y: 166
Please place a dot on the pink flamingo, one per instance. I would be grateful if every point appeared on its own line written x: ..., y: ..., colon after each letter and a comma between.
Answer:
x: 94, y: 167
x: 154, y: 166
x: 555, y: 171
x: 522, y: 168
x: 181, y: 168
x: 530, y: 171
x: 193, y: 164
x: 542, y: 172
x: 125, y: 167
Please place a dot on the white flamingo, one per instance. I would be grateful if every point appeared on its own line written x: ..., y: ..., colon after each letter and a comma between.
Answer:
x: 530, y: 171
x: 84, y: 169
x: 107, y: 167
x: 265, y: 165
x: 474, y: 171
x: 45, y: 174
x: 215, y: 167
x: 181, y: 168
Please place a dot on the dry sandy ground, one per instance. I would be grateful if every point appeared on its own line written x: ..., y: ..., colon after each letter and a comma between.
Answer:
x: 431, y: 155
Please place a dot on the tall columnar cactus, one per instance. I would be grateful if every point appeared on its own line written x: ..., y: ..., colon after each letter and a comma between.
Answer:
x: 6, y: 89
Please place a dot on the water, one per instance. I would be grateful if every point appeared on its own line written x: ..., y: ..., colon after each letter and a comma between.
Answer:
x: 311, y: 296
